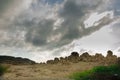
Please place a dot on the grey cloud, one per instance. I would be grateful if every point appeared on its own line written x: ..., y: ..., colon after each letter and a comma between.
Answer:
x: 116, y: 30
x: 72, y: 28
x: 41, y: 33
x: 115, y: 6
x: 73, y: 15
x: 116, y: 34
x: 33, y: 28
x: 78, y: 8
x: 5, y: 5
x: 72, y: 10
x: 104, y: 21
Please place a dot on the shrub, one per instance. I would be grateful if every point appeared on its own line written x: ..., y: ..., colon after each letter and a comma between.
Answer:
x: 2, y: 70
x: 99, y: 73
x: 81, y: 75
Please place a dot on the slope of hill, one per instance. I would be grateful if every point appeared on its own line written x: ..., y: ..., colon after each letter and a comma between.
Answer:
x: 15, y: 60
x: 57, y: 69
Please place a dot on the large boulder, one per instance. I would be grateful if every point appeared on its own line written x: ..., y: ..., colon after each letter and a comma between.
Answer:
x: 74, y: 54
x: 86, y: 54
x: 64, y: 61
x: 110, y: 58
x: 56, y: 60
x: 50, y: 62
x: 85, y: 57
x: 109, y: 53
x: 74, y: 57
x: 99, y: 57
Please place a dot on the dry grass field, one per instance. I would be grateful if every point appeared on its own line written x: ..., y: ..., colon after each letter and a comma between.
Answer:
x: 46, y: 71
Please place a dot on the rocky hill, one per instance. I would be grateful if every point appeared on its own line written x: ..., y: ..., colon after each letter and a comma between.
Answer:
x: 15, y: 60
x: 73, y: 58
x: 57, y: 69
x: 85, y: 57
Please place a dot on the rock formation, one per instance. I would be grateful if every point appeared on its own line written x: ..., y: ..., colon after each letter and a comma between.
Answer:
x: 85, y: 57
x: 50, y: 62
x: 99, y: 57
x: 55, y: 61
x: 74, y: 57
x: 110, y: 58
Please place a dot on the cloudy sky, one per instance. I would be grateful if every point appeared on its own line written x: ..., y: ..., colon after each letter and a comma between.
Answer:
x: 44, y: 29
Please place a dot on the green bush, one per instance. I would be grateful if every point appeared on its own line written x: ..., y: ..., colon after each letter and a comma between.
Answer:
x: 98, y: 73
x: 3, y: 69
x: 81, y: 75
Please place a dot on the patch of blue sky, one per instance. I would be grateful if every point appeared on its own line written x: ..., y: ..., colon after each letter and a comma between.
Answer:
x: 117, y: 7
x: 37, y: 4
x: 52, y: 2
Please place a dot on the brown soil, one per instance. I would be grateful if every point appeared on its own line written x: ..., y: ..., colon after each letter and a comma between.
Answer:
x: 46, y: 71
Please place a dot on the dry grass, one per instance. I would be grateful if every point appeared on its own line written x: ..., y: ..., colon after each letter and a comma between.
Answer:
x: 46, y: 71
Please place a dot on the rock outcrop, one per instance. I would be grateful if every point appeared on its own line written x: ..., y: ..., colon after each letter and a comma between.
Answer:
x: 50, y: 62
x: 85, y: 57
x: 55, y: 61
x: 110, y: 58
x: 74, y: 57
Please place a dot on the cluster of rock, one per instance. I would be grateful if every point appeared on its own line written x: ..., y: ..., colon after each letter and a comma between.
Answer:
x: 85, y: 57
x: 73, y: 58
x: 15, y: 60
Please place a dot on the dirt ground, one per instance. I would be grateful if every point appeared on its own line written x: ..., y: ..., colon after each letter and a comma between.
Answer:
x: 46, y: 71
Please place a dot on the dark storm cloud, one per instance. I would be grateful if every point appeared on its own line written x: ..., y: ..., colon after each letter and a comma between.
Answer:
x: 71, y: 28
x: 73, y: 14
x: 40, y: 31
x: 30, y: 26
x: 39, y: 34
x: 72, y: 10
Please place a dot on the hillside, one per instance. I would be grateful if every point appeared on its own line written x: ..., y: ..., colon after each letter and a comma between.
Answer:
x: 57, y: 69
x: 15, y: 60
x: 85, y: 57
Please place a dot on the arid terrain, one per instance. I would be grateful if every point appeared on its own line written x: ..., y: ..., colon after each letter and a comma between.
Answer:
x: 45, y: 71
x: 57, y: 69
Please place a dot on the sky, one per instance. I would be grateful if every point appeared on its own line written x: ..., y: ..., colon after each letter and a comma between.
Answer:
x: 44, y: 29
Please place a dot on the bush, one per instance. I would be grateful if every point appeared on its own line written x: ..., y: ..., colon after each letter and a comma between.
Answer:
x: 81, y: 75
x: 99, y: 73
x: 3, y: 69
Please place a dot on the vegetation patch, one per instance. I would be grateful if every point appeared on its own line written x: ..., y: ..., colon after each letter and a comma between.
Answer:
x: 3, y: 69
x: 99, y: 73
